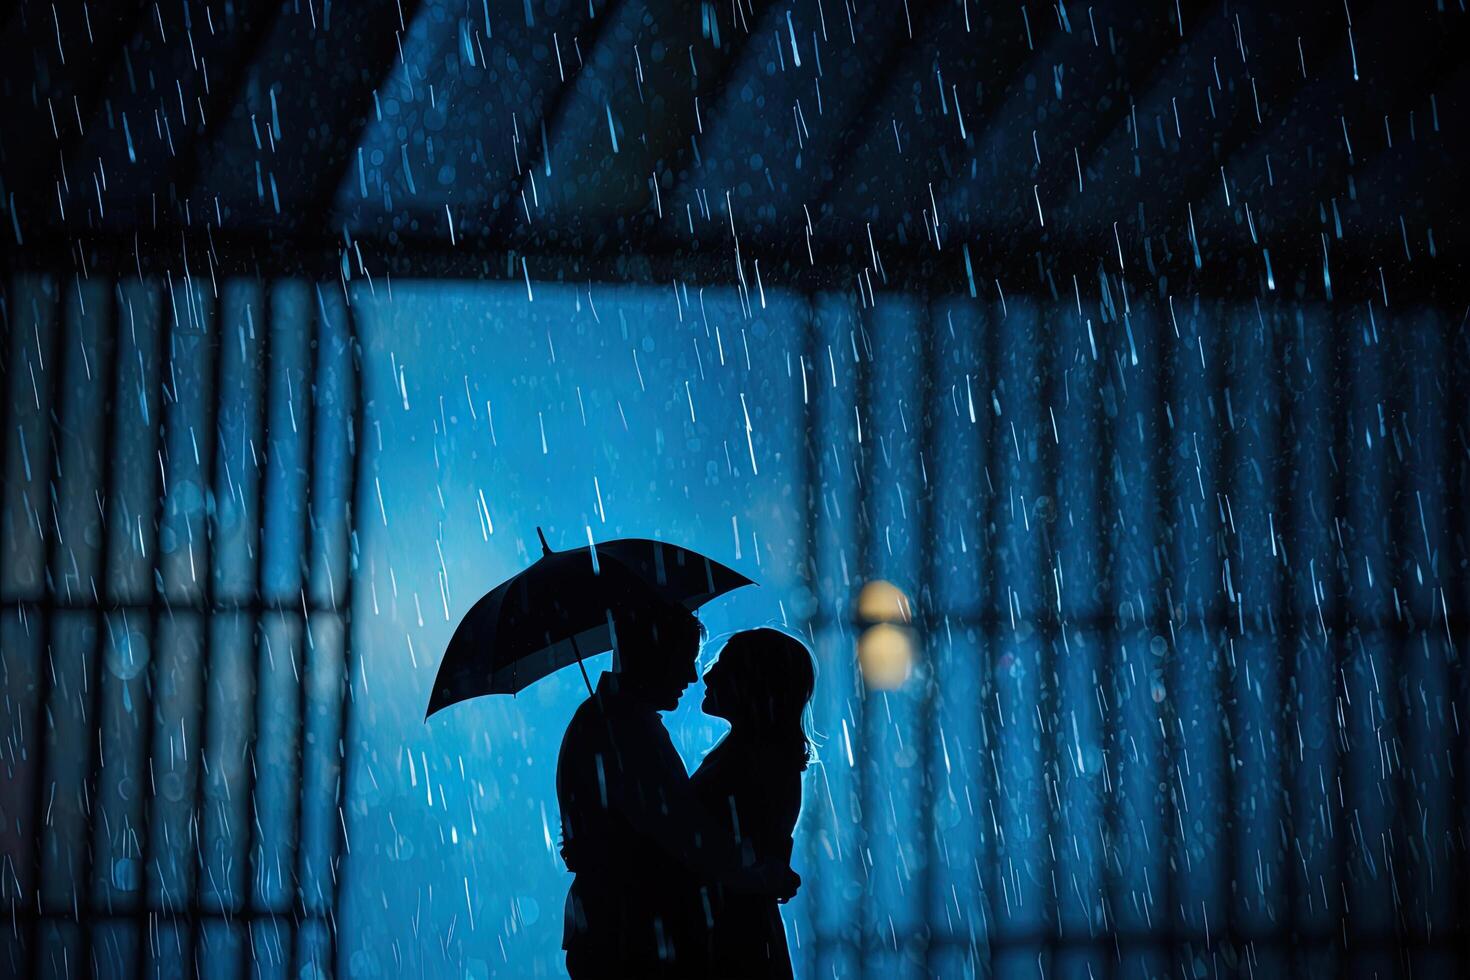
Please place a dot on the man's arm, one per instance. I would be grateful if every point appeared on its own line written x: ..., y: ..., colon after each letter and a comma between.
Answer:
x: 655, y: 796
x: 657, y: 799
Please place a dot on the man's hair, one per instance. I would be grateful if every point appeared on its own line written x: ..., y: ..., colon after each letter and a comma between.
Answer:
x: 647, y: 633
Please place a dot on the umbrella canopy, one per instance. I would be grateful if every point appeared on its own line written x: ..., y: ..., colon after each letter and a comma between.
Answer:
x: 560, y: 610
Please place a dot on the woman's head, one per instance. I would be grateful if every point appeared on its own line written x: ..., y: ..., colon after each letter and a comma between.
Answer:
x: 762, y: 683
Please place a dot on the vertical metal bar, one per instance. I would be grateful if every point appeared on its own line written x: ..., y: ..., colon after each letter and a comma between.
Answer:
x: 928, y: 621
x: 264, y: 389
x: 7, y: 368
x: 130, y: 479
x: 211, y: 453
x: 1308, y: 580
x: 862, y: 774
x: 1107, y: 550
x: 102, y: 598
x: 1163, y: 497
x: 1341, y: 396
x: 809, y: 480
x: 1402, y: 526
x: 1457, y: 534
x: 355, y: 507
x: 157, y: 603
x: 1078, y: 580
x: 1457, y: 593
x: 1225, y: 450
x: 312, y: 325
x: 1283, y: 465
x: 1365, y: 547
x: 989, y: 626
x: 47, y: 625
x: 7, y: 376
x: 1048, y: 626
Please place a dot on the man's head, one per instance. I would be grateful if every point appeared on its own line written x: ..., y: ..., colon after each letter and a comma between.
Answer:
x: 657, y: 652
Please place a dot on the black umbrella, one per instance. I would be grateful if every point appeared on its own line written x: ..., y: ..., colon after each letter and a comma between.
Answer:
x: 560, y: 610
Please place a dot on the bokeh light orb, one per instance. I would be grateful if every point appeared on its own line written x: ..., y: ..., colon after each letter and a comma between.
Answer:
x: 886, y: 656
x: 883, y: 602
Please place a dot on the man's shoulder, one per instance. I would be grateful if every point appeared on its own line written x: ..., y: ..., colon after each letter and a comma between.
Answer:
x: 589, y: 717
x: 599, y: 718
x: 585, y: 736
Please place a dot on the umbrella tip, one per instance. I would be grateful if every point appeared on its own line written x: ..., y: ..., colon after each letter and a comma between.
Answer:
x: 545, y: 548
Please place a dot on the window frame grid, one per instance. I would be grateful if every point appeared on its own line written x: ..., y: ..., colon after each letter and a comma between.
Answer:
x: 191, y: 915
x: 1223, y: 625
x: 1340, y: 624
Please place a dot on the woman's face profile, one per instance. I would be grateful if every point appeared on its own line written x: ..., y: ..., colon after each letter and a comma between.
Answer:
x: 756, y: 680
x: 711, y: 703
x: 721, y: 696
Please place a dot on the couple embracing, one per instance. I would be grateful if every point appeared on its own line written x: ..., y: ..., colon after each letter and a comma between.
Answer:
x: 679, y: 875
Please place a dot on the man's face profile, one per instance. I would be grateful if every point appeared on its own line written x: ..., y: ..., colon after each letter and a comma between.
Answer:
x: 677, y: 669
x: 666, y: 664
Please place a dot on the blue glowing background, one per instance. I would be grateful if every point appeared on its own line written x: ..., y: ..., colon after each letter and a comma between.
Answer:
x: 1180, y: 686
x: 1127, y: 343
x: 618, y: 410
x: 1122, y: 722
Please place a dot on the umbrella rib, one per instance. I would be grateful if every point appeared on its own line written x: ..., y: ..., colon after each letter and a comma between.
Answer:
x: 580, y: 665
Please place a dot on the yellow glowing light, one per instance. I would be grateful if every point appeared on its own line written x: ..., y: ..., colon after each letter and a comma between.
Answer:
x: 883, y: 602
x: 886, y: 656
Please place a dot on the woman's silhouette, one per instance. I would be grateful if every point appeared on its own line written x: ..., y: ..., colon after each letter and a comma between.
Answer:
x: 750, y: 784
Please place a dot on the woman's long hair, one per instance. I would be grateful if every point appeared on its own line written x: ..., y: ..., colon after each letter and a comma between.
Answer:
x: 776, y: 676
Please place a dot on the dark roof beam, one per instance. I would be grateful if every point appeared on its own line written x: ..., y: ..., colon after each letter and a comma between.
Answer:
x: 854, y: 133
x: 726, y: 63
x: 1268, y: 77
x: 113, y: 35
x: 1141, y: 71
x: 255, y: 24
x: 1234, y: 269
x: 1358, y: 119
x: 1362, y: 115
x: 380, y: 49
x: 550, y: 120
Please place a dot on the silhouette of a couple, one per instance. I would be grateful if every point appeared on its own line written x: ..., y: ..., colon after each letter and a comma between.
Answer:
x: 680, y: 876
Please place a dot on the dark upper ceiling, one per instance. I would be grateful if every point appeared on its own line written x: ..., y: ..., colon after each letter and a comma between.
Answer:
x: 864, y: 136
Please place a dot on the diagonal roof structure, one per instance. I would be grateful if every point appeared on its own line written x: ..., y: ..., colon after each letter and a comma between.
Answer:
x: 928, y: 143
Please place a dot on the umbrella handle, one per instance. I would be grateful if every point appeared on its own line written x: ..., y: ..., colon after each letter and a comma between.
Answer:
x: 580, y: 665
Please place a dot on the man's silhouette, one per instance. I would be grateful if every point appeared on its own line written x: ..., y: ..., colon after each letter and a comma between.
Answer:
x: 632, y: 830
